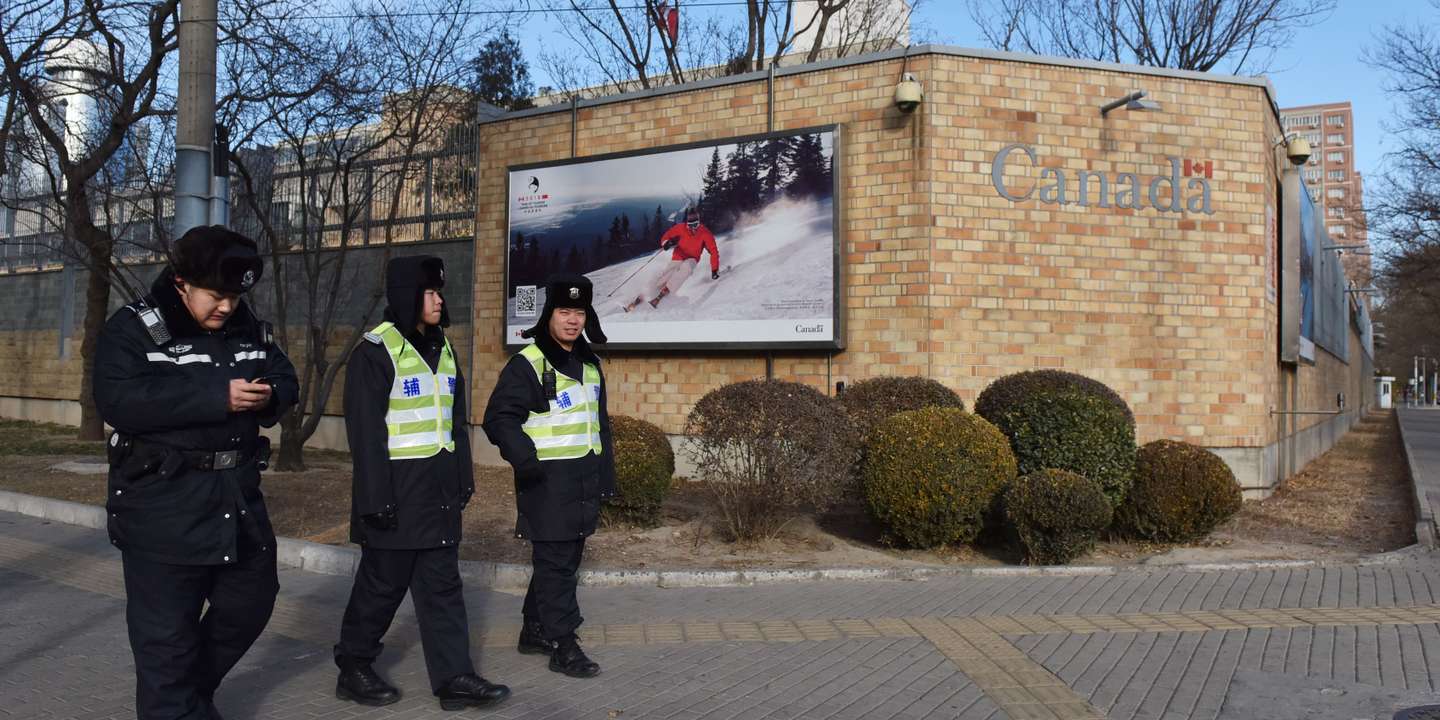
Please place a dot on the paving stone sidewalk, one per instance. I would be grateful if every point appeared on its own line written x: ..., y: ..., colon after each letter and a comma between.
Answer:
x: 1351, y: 641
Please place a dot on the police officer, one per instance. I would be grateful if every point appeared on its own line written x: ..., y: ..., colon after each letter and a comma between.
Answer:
x: 187, y: 376
x: 406, y: 422
x: 547, y: 415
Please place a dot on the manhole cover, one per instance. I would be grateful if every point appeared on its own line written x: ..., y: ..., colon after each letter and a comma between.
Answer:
x: 1424, y: 712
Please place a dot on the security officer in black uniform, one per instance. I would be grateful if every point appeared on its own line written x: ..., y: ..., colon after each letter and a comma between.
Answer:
x: 405, y: 418
x: 547, y: 414
x: 187, y: 376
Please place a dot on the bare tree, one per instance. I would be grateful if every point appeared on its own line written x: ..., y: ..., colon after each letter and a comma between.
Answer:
x: 1239, y: 35
x: 623, y: 45
x: 1404, y: 204
x: 116, y: 54
x: 1410, y: 312
x: 627, y: 47
x: 352, y: 134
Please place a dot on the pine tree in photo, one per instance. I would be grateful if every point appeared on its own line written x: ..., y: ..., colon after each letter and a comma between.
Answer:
x: 772, y: 163
x: 712, y: 185
x: 519, y: 261
x: 744, y: 186
x: 617, y: 233
x: 808, y: 167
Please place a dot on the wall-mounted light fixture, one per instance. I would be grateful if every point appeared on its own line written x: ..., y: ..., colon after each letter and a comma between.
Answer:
x: 1134, y: 101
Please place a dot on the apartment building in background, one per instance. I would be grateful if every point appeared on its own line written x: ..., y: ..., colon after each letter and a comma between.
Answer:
x: 1332, y: 177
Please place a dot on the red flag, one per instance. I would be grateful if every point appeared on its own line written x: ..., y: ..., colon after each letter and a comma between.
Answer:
x: 668, y: 20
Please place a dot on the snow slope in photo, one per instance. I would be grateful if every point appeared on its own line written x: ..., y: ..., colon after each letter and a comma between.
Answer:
x: 778, y: 266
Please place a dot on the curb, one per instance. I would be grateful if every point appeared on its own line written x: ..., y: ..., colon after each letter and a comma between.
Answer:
x: 1425, y: 531
x: 337, y: 560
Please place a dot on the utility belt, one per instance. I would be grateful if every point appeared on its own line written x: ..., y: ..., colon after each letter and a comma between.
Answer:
x: 122, y: 447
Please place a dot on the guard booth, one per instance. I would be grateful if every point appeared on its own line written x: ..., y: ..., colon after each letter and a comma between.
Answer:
x: 1384, y: 387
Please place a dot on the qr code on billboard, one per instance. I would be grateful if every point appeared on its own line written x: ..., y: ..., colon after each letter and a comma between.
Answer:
x: 525, y: 301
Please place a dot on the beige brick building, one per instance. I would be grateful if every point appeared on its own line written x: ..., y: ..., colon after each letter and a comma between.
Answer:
x: 1333, y: 179
x: 946, y: 273
x: 1005, y: 225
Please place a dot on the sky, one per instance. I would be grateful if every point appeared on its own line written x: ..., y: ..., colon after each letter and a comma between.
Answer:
x: 1322, y: 65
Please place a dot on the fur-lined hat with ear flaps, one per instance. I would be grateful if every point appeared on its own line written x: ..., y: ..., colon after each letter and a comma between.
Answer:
x: 567, y: 290
x: 217, y: 258
x: 406, y: 280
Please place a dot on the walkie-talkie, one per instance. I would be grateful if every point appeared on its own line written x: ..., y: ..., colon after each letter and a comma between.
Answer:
x: 547, y: 382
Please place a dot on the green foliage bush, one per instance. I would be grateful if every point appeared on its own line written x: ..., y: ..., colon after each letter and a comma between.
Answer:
x: 644, y: 466
x: 769, y: 450
x: 1181, y: 493
x: 1058, y: 515
x: 931, y: 474
x: 1063, y: 421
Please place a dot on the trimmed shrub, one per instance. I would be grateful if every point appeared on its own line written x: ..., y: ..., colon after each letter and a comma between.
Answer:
x: 872, y: 400
x: 1058, y: 515
x: 931, y: 474
x: 1063, y: 421
x: 644, y: 466
x: 769, y: 450
x: 1181, y: 493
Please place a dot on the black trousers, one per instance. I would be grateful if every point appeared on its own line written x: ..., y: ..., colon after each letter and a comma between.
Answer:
x: 432, y: 578
x: 550, y: 599
x: 180, y: 654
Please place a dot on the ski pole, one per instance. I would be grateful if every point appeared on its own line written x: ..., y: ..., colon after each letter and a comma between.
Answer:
x: 633, y: 274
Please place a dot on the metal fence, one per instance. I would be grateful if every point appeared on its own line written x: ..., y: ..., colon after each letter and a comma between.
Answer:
x: 329, y: 200
x: 315, y: 199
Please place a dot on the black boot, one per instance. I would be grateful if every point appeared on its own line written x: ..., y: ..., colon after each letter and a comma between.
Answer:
x: 532, y: 639
x: 360, y: 683
x: 568, y: 658
x: 470, y: 691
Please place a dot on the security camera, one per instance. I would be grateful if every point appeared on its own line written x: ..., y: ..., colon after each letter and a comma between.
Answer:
x: 908, y: 94
x: 1297, y: 149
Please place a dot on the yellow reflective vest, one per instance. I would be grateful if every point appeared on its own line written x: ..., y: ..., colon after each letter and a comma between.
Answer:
x: 571, y: 427
x: 422, y: 402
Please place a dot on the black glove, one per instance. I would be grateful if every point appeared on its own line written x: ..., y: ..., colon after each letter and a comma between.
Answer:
x: 381, y: 520
x: 714, y: 274
x: 669, y: 244
x: 528, y: 473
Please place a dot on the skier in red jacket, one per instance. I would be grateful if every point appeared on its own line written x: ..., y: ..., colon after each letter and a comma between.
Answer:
x: 687, y: 239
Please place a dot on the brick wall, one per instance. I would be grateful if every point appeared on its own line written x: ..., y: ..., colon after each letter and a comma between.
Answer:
x: 32, y: 364
x: 944, y: 277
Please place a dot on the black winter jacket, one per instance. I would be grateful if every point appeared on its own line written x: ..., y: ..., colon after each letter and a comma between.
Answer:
x: 555, y: 499
x: 174, y: 397
x: 426, y: 494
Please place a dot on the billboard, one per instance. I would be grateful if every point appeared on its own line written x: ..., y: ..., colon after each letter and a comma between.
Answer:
x: 728, y: 244
x: 1309, y: 253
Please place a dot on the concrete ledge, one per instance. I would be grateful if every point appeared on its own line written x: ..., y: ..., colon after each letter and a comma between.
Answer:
x: 338, y: 560
x: 1425, y: 531
x: 59, y: 412
x: 64, y: 511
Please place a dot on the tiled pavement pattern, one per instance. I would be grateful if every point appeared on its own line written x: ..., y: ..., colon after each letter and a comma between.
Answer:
x: 1280, y: 643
